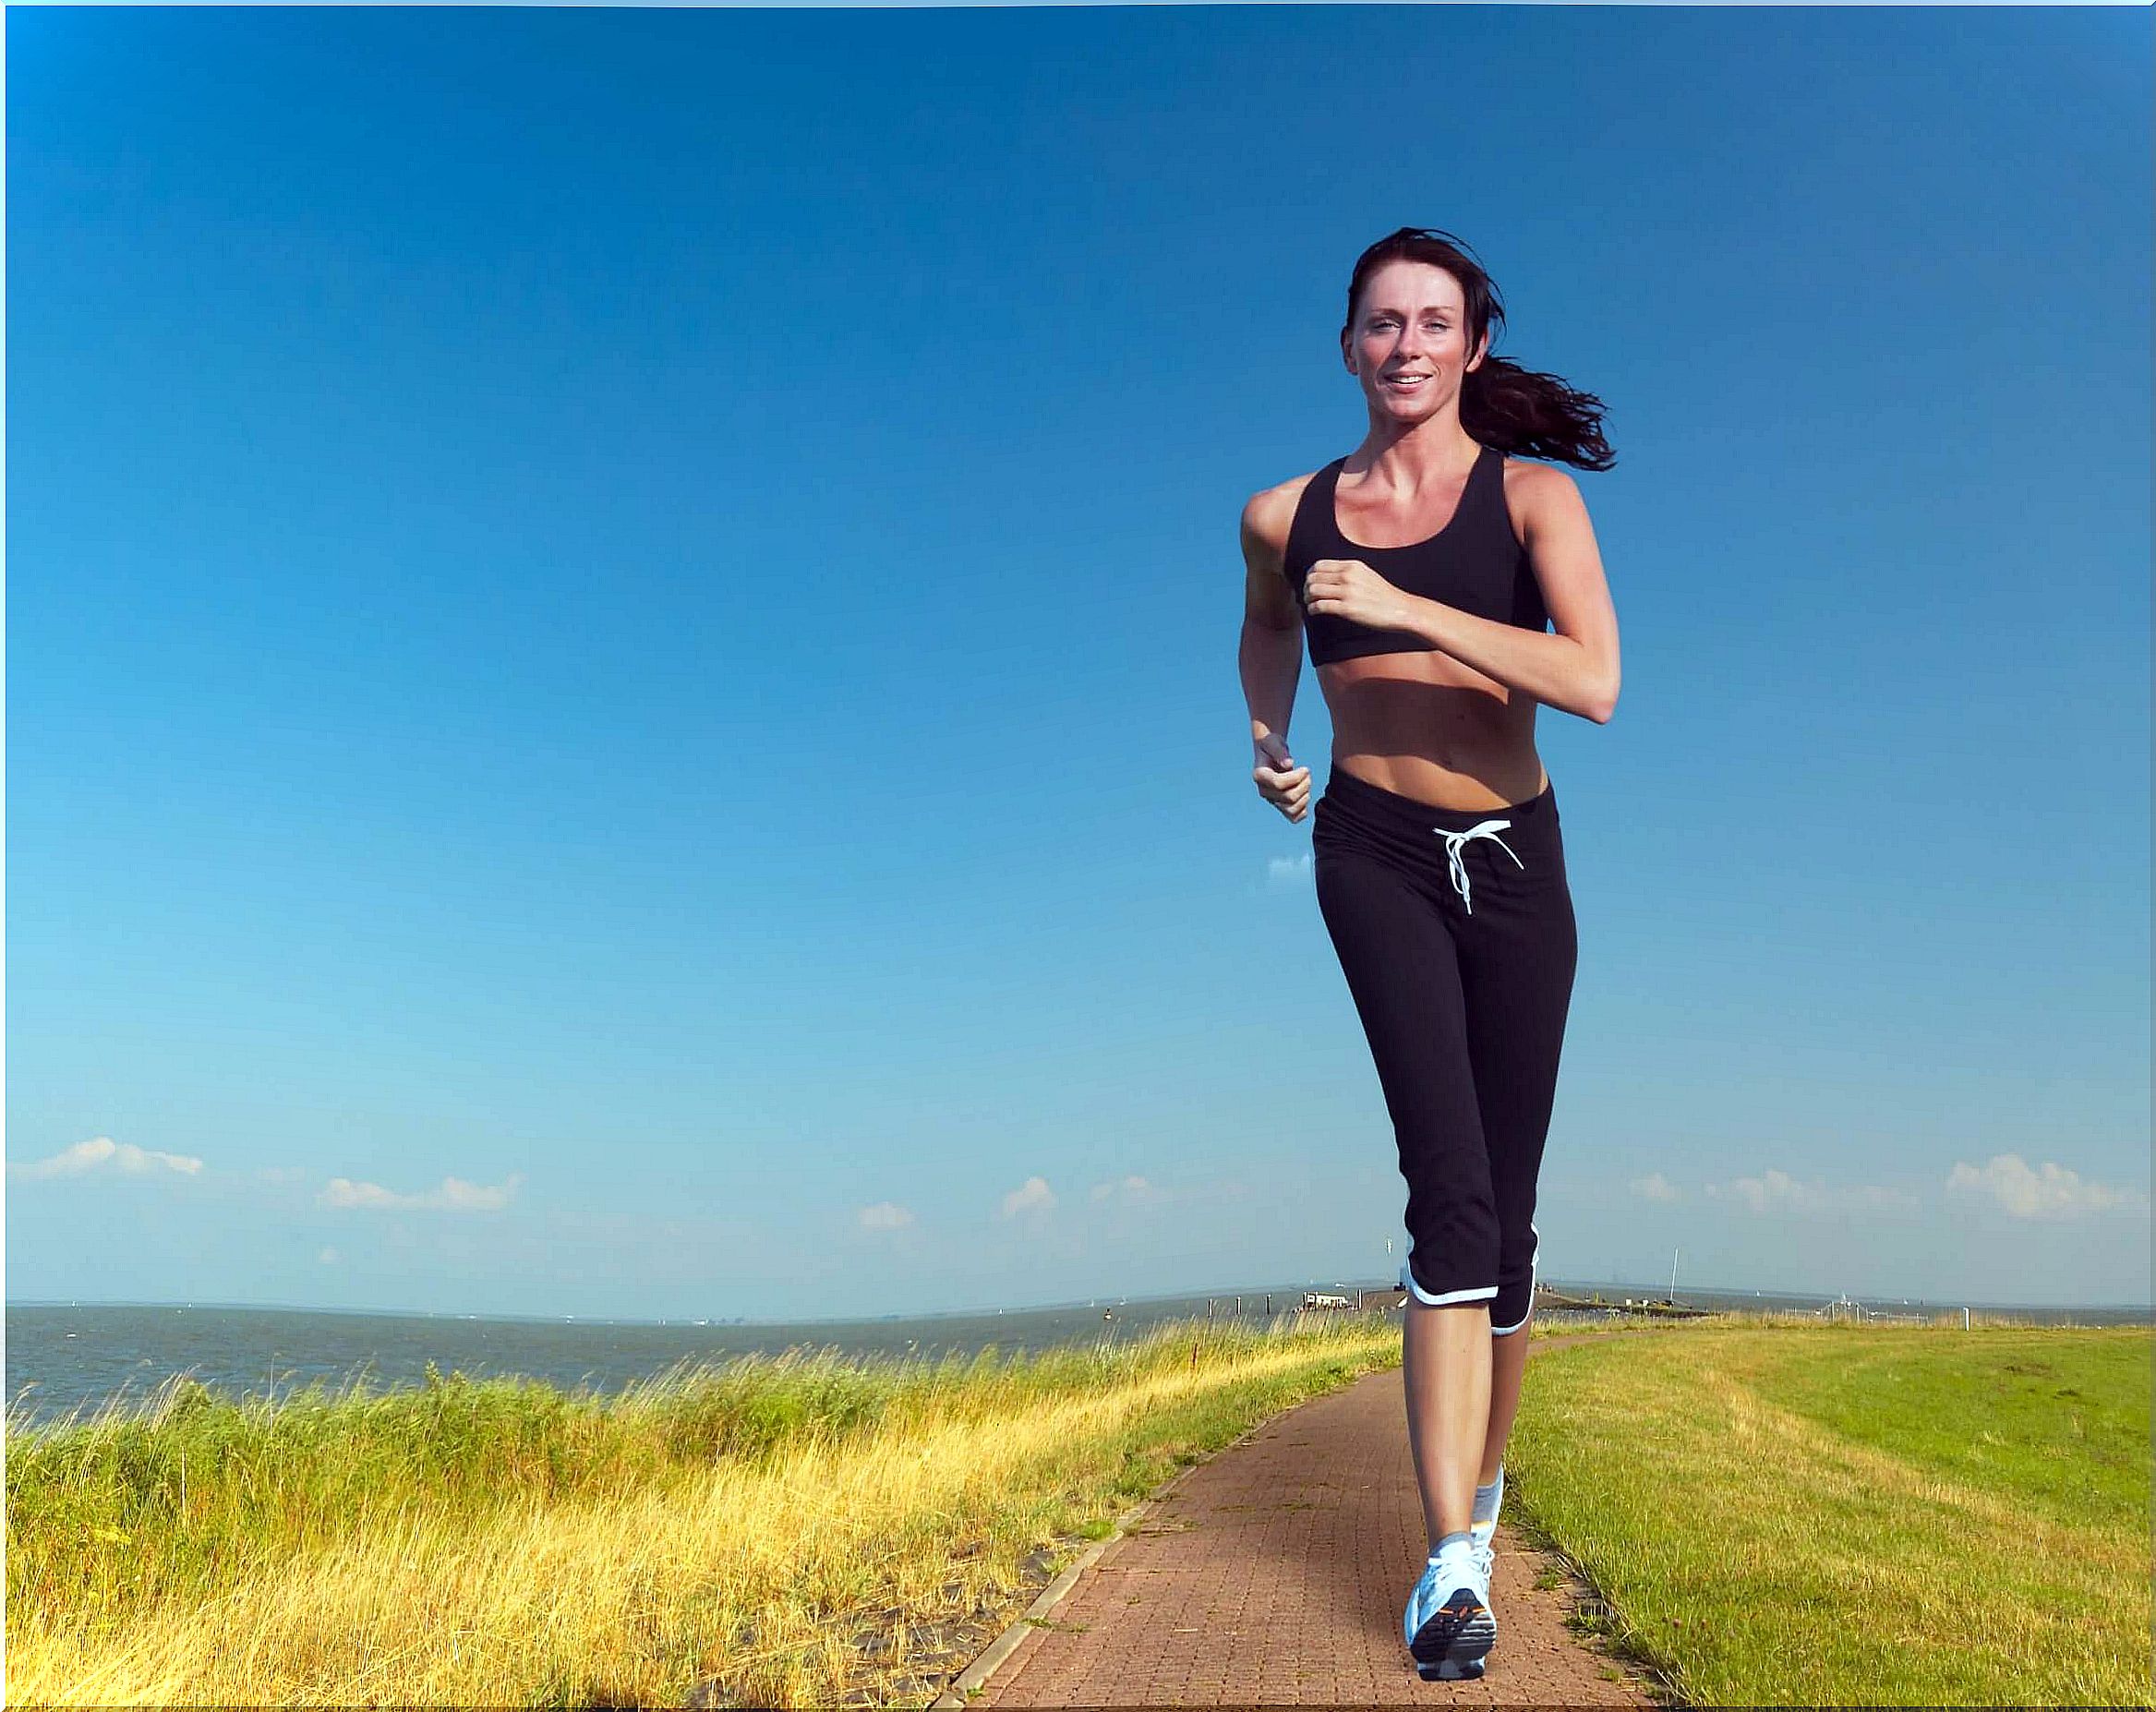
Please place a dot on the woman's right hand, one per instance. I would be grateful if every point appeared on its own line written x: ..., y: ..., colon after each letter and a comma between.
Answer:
x: 1280, y: 781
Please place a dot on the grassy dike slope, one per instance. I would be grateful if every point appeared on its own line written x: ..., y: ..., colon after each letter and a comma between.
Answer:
x: 803, y: 1530
x: 1839, y: 1516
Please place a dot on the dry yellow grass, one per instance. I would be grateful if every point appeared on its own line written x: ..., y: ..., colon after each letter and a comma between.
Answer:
x: 759, y: 1574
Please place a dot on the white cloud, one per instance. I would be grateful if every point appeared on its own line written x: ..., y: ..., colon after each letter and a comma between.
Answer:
x: 1034, y: 1192
x: 1131, y: 1188
x: 1777, y: 1192
x: 453, y: 1195
x: 1656, y: 1187
x: 329, y: 1257
x: 885, y: 1215
x: 101, y: 1151
x: 2053, y: 1192
x: 1776, y: 1189
x: 1285, y: 873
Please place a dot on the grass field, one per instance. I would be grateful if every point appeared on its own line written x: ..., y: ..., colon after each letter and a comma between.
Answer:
x: 1776, y: 1513
x: 1840, y: 1516
x: 795, y: 1531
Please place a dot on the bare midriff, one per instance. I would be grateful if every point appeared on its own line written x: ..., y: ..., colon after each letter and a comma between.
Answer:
x: 1430, y: 727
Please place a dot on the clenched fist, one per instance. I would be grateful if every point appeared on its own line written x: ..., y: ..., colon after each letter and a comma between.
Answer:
x: 1280, y: 781
x: 1348, y: 588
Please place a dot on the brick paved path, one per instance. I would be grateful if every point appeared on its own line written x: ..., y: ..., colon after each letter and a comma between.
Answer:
x: 1274, y: 1572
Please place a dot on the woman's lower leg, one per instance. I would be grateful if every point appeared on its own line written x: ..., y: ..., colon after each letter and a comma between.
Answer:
x: 1446, y: 1364
x: 1508, y: 1364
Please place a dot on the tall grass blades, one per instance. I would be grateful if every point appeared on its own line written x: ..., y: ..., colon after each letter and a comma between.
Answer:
x: 780, y: 1529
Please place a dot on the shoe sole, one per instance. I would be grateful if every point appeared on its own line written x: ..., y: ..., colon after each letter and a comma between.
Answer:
x: 1449, y: 1648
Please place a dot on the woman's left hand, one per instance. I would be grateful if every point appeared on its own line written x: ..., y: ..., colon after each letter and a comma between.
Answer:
x: 1348, y: 588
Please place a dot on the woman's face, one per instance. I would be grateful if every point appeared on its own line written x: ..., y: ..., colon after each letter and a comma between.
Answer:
x: 1412, y: 322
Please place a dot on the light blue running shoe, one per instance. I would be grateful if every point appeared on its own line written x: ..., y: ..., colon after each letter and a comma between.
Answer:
x: 1447, y: 1625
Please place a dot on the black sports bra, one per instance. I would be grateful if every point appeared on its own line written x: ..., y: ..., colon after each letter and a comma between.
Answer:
x: 1475, y: 562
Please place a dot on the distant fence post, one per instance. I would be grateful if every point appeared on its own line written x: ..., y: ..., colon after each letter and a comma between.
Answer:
x: 1965, y: 1320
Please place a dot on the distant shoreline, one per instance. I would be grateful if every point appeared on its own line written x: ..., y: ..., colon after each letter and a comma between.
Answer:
x: 60, y: 1356
x: 1704, y: 1296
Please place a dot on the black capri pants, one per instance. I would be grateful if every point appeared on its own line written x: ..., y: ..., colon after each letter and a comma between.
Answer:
x: 1454, y: 929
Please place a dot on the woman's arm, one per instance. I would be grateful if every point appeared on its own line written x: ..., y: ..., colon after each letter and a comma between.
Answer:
x: 1270, y: 656
x: 1575, y: 669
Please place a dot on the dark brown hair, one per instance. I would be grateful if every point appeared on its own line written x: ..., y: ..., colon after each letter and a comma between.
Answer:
x: 1501, y: 404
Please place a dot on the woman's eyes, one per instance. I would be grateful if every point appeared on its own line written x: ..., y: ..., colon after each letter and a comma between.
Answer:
x: 1388, y: 321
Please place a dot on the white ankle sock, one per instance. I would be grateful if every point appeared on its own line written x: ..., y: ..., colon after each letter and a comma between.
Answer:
x: 1451, y: 1542
x: 1488, y: 1501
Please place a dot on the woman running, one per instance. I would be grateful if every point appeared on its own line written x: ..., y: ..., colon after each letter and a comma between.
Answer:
x: 1427, y: 568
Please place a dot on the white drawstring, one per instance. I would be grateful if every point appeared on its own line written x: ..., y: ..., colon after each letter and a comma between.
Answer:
x: 1455, y: 841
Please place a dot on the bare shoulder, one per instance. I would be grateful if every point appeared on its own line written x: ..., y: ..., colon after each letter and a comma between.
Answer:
x: 1537, y: 493
x: 1266, y: 517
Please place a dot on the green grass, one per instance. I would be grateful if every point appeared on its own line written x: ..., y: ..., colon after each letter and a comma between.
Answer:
x: 1838, y: 1516
x: 789, y: 1531
x: 1775, y: 1512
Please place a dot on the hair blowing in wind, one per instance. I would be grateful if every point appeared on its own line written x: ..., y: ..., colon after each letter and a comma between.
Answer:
x: 1501, y: 404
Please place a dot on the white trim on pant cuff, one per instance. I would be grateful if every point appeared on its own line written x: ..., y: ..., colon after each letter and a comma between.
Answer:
x: 1534, y: 1254
x: 1424, y: 1296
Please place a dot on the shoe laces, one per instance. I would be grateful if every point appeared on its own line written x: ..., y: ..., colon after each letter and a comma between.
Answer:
x: 1456, y: 1571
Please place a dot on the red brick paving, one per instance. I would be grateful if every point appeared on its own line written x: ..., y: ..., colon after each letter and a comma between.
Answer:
x: 1274, y: 1572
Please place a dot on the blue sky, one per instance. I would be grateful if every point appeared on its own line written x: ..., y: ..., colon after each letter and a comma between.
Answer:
x: 621, y: 626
